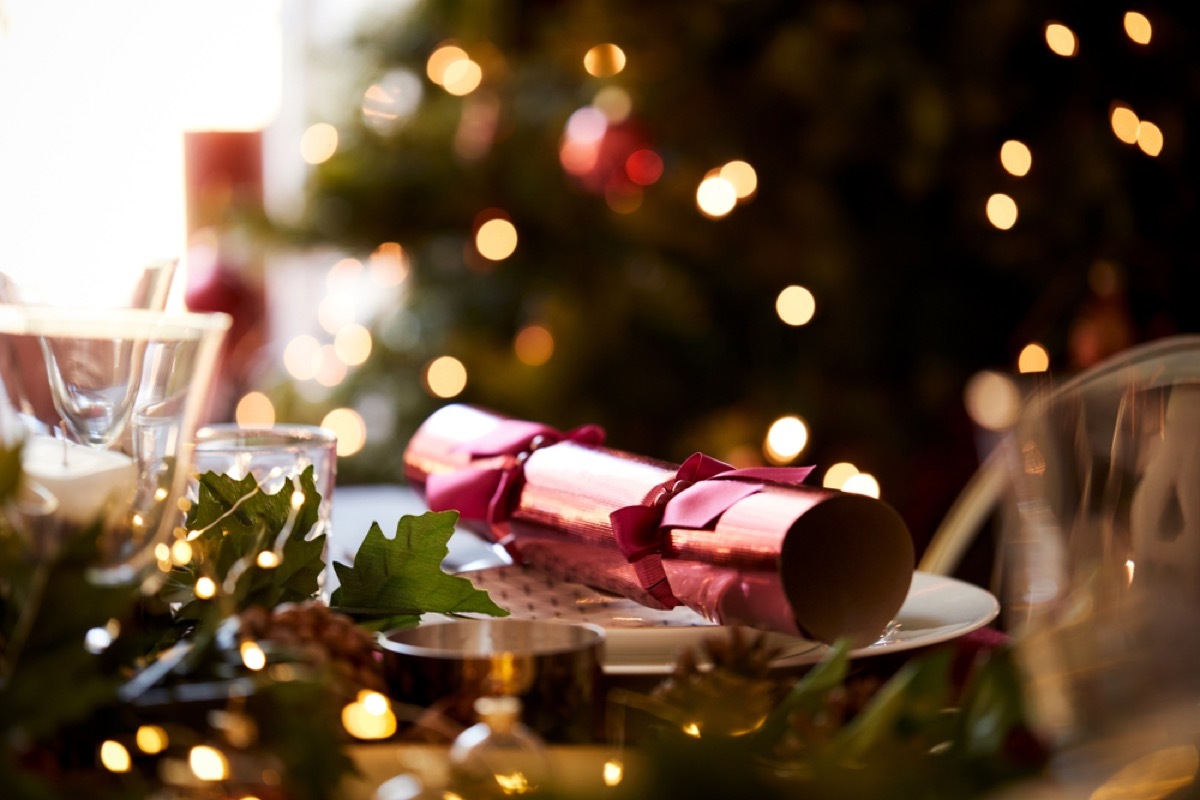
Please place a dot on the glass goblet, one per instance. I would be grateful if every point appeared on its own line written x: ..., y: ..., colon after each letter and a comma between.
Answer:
x: 110, y: 400
x: 1103, y: 560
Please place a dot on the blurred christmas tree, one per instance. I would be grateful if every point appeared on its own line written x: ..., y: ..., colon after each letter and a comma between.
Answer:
x: 637, y: 299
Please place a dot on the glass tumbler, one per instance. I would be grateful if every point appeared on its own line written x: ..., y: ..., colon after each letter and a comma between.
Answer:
x: 274, y: 456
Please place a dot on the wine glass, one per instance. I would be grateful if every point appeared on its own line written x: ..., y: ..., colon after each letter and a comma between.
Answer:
x: 110, y: 400
x: 1103, y: 560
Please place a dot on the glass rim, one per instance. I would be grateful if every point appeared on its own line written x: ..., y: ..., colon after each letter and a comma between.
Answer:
x: 217, y: 436
x: 1121, y: 364
x: 109, y: 323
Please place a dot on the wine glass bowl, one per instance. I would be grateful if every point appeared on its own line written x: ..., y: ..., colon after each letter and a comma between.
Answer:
x: 110, y: 400
x: 1102, y: 558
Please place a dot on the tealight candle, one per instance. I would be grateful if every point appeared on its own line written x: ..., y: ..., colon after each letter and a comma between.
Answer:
x: 84, y: 480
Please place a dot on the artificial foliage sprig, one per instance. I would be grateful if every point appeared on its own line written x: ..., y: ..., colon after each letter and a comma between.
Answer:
x: 83, y: 666
x: 393, y: 581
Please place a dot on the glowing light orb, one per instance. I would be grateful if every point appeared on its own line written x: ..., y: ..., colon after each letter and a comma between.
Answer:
x: 440, y: 59
x: 1125, y: 123
x: 604, y: 60
x: 991, y: 400
x: 1061, y: 39
x: 795, y: 305
x: 114, y: 757
x: 353, y: 344
x: 152, y: 739
x: 350, y: 429
x: 1149, y: 138
x: 786, y: 438
x: 836, y: 476
x: 862, y: 483
x: 445, y: 377
x: 1033, y: 358
x: 318, y: 143
x: 742, y: 176
x: 208, y: 763
x: 716, y: 196
x: 1016, y: 158
x: 1002, y: 211
x: 1137, y: 27
x: 496, y: 239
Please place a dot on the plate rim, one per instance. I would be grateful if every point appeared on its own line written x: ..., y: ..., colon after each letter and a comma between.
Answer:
x: 990, y: 610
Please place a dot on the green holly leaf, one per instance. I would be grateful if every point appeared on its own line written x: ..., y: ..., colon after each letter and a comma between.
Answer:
x: 233, y: 521
x: 394, y: 581
x: 48, y: 678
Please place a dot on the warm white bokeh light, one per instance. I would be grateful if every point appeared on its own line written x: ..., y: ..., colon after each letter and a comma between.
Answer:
x: 795, y: 305
x: 332, y: 370
x: 343, y: 274
x: 114, y: 757
x: 1033, y: 358
x: 349, y: 428
x: 1137, y: 27
x: 252, y: 655
x: 302, y: 357
x: 318, y: 143
x: 862, y: 483
x: 1149, y: 138
x: 1061, y: 39
x: 208, y: 763
x: 181, y: 552
x: 716, y: 196
x: 369, y: 717
x: 496, y: 239
x: 786, y: 438
x: 353, y: 344
x: 441, y: 58
x: 388, y: 265
x: 445, y: 377
x: 604, y: 60
x: 462, y: 77
x: 991, y: 400
x: 152, y: 739
x: 742, y: 176
x: 205, y: 587
x: 835, y: 477
x: 1016, y: 158
x: 336, y: 310
x: 254, y: 410
x: 613, y: 772
x: 1124, y: 122
x: 1002, y: 211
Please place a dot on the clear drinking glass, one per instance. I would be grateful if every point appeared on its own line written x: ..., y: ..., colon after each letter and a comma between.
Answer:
x: 108, y: 400
x: 1102, y: 560
x: 273, y: 455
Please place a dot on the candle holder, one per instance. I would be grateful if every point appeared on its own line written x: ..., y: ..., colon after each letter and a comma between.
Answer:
x: 109, y: 400
x: 273, y: 456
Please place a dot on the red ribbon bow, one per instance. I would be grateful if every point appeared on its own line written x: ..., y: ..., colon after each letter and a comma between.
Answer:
x: 702, y: 490
x: 489, y: 494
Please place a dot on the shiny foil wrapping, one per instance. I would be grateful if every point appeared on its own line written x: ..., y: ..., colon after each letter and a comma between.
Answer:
x: 795, y: 559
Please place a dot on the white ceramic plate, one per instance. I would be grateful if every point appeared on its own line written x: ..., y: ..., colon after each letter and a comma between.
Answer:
x: 645, y: 641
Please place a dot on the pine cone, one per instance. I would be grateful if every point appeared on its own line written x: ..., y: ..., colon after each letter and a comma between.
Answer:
x: 313, y: 633
x: 839, y: 706
x: 728, y: 693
